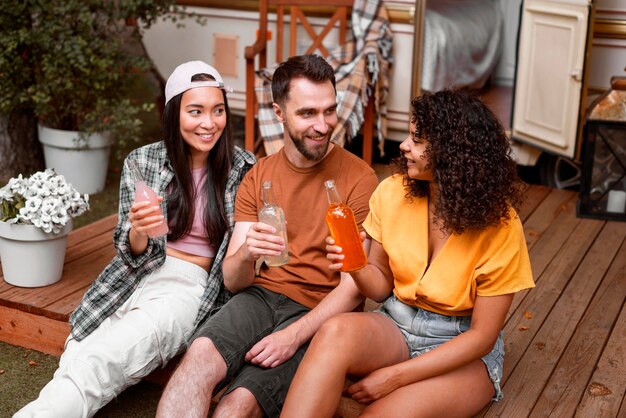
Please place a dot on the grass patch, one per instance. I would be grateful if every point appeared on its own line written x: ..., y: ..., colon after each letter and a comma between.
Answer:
x: 23, y: 373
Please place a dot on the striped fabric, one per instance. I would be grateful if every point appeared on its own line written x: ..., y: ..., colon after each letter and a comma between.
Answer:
x: 362, y: 68
x: 120, y: 278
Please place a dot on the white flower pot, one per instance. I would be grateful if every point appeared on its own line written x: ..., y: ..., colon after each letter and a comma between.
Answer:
x: 82, y: 162
x: 31, y: 257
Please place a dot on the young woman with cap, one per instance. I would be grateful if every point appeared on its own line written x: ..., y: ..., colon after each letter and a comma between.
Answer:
x: 147, y: 302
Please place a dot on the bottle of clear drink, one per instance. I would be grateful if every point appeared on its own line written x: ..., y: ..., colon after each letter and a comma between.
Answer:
x: 343, y: 229
x: 144, y: 193
x: 273, y: 215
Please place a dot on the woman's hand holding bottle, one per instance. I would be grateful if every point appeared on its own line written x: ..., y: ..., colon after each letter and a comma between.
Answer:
x: 335, y: 252
x: 144, y: 216
x: 374, y: 280
x: 343, y: 228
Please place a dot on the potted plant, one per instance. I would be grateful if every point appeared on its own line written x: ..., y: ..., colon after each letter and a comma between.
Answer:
x: 35, y: 217
x: 74, y: 63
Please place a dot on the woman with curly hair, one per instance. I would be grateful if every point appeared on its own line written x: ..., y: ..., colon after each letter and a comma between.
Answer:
x: 447, y: 255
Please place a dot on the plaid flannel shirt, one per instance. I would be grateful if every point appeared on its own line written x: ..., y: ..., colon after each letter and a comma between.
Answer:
x: 362, y: 67
x: 121, y: 277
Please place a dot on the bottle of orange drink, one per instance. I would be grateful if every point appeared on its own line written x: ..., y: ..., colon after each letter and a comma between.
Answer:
x: 343, y: 229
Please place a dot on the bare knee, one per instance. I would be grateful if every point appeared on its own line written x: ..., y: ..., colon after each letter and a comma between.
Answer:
x: 201, y: 347
x: 336, y: 330
x: 188, y: 393
x: 238, y: 403
x: 203, y: 355
x: 202, y: 350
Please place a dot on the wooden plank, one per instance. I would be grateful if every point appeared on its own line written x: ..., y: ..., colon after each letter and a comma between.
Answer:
x: 63, y: 308
x: 104, y: 251
x: 81, y: 274
x: 556, y: 305
x: 607, y: 387
x: 76, y: 275
x: 549, y: 241
x: 33, y: 331
x: 534, y: 195
x: 557, y: 202
x: 575, y: 367
x: 82, y: 241
x: 95, y: 243
x: 541, y: 299
x: 104, y: 225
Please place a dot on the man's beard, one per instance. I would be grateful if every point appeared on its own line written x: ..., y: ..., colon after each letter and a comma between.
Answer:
x: 313, y: 155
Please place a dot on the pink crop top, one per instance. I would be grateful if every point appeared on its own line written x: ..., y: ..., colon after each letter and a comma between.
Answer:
x: 196, y: 242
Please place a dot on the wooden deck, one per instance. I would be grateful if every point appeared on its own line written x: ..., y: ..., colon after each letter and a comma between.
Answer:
x: 565, y: 339
x: 37, y: 318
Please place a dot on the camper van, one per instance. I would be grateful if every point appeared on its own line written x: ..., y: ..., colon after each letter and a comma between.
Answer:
x: 537, y: 63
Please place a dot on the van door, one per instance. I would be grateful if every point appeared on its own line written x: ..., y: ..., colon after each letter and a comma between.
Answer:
x: 550, y: 78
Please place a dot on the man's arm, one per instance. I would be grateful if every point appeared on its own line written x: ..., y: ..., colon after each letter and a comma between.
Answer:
x: 279, y: 346
x: 344, y: 298
x: 249, y: 242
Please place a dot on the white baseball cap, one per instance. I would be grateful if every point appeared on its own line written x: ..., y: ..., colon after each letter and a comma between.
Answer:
x: 180, y: 80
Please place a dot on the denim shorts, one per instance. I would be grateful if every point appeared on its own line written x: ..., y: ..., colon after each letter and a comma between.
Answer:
x: 424, y: 330
x: 244, y: 320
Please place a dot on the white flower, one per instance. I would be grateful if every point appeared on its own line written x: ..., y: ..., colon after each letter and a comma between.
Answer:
x: 62, y: 189
x: 37, y: 222
x: 45, y: 200
x: 59, y: 216
x: 49, y: 227
x: 33, y: 204
x: 6, y: 193
x: 16, y: 185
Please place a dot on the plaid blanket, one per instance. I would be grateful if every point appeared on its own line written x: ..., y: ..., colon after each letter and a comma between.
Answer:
x: 362, y: 67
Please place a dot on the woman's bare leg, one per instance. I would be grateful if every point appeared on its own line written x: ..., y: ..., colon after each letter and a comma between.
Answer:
x: 460, y: 393
x: 351, y: 343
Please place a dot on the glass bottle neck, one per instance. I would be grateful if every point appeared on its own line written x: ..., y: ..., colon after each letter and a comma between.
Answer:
x: 135, y: 174
x: 331, y: 192
x: 268, y: 194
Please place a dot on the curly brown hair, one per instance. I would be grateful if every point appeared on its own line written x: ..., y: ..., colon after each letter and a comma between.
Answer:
x: 470, y: 158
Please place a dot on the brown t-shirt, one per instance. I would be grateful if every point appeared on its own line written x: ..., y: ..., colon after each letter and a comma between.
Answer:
x: 301, y: 194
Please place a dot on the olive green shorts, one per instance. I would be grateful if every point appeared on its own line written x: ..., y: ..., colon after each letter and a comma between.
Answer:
x: 244, y: 320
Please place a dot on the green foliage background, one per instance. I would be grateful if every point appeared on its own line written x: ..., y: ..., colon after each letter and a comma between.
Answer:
x: 70, y: 62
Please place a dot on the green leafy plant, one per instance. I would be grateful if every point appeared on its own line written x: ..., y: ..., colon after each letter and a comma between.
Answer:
x: 70, y: 62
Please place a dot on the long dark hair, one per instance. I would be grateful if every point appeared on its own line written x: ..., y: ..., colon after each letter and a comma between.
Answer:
x: 470, y: 158
x: 180, y: 205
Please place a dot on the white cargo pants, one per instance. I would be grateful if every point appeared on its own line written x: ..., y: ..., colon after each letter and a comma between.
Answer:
x: 150, y: 328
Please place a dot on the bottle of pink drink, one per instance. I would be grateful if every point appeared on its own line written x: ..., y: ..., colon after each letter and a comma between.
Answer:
x: 144, y: 193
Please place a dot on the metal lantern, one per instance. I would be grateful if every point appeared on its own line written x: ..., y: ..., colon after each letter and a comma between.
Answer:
x: 603, y: 183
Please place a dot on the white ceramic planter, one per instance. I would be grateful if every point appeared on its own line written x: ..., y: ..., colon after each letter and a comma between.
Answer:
x: 31, y: 257
x: 83, y: 163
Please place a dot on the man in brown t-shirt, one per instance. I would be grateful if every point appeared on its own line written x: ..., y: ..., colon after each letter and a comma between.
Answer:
x: 257, y: 339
